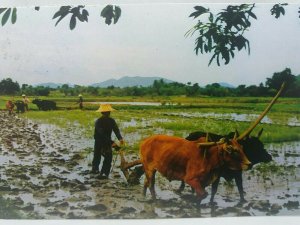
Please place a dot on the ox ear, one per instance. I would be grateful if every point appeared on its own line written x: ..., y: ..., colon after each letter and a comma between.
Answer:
x: 236, y: 134
x: 222, y: 141
x: 260, y: 133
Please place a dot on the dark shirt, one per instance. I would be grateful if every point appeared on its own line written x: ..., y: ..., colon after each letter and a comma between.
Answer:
x: 103, y: 129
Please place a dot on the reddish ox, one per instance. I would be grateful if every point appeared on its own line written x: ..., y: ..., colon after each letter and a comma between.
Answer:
x: 10, y: 106
x: 198, y: 164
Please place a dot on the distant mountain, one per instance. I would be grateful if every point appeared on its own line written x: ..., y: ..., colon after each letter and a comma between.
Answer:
x: 223, y: 84
x: 124, y: 82
x: 130, y: 81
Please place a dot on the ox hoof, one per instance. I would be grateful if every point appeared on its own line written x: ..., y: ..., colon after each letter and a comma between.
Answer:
x: 203, y: 196
x: 178, y: 191
x: 212, y: 203
x: 243, y: 200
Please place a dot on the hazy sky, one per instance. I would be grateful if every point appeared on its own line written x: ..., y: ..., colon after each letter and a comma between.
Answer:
x: 148, y: 40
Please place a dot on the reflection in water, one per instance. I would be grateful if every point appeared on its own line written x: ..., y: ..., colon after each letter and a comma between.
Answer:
x: 128, y: 103
x: 238, y: 117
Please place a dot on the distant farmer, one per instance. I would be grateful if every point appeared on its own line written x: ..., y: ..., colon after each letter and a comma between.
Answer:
x: 80, y: 101
x: 26, y: 101
x: 102, y: 135
x: 10, y: 106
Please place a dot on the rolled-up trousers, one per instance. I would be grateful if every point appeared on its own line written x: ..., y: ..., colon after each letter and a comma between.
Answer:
x: 104, y: 150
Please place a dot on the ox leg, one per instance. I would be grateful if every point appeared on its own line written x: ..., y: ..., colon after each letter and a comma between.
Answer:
x: 149, y: 182
x: 152, y: 183
x: 239, y: 183
x: 146, y: 184
x: 214, y: 188
x: 196, y: 185
x: 181, y: 188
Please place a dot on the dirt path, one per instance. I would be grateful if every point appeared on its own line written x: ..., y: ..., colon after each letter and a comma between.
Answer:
x: 45, y: 174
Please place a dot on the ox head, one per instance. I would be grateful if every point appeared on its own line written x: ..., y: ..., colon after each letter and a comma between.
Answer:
x: 231, y: 153
x: 36, y: 101
x: 254, y: 149
x: 234, y: 156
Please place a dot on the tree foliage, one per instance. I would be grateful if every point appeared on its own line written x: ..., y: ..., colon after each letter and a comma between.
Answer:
x: 8, y: 13
x: 8, y: 87
x: 162, y: 88
x: 77, y: 14
x: 278, y: 9
x: 110, y: 13
x: 223, y: 34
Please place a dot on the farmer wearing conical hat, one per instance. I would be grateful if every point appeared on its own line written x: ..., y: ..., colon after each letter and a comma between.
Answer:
x: 102, y: 135
x: 25, y: 101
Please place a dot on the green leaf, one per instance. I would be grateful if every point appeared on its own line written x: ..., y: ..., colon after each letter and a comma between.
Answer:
x: 64, y: 10
x: 199, y: 8
x: 14, y: 16
x: 211, y: 17
x: 199, y: 11
x: 2, y: 10
x: 282, y: 11
x: 225, y: 55
x: 252, y: 15
x: 209, y: 44
x: 117, y: 14
x: 218, y: 61
x: 212, y: 58
x: 85, y: 15
x: 5, y: 16
x: 106, y: 10
x: 195, y: 14
x: 108, y: 14
x: 73, y: 22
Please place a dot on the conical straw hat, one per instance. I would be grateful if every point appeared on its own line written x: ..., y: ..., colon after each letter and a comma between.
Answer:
x: 105, y: 108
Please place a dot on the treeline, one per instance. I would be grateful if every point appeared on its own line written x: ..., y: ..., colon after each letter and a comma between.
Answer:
x: 161, y: 88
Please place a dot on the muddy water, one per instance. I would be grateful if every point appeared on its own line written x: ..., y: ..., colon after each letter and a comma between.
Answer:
x: 292, y: 121
x: 45, y: 173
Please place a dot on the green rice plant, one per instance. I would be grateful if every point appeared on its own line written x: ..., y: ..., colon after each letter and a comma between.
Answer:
x: 169, y: 120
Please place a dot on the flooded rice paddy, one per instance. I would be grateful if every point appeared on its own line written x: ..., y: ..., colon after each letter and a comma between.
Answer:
x: 44, y: 173
x: 241, y: 117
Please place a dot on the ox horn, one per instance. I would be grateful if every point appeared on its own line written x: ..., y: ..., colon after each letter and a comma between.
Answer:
x: 249, y: 130
x: 260, y: 132
x: 236, y: 134
x: 208, y: 144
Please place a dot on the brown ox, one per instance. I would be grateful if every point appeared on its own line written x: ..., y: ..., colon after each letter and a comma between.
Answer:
x: 10, y: 106
x: 196, y: 164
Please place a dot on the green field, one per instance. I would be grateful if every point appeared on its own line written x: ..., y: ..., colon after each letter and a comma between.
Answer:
x: 177, y: 116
